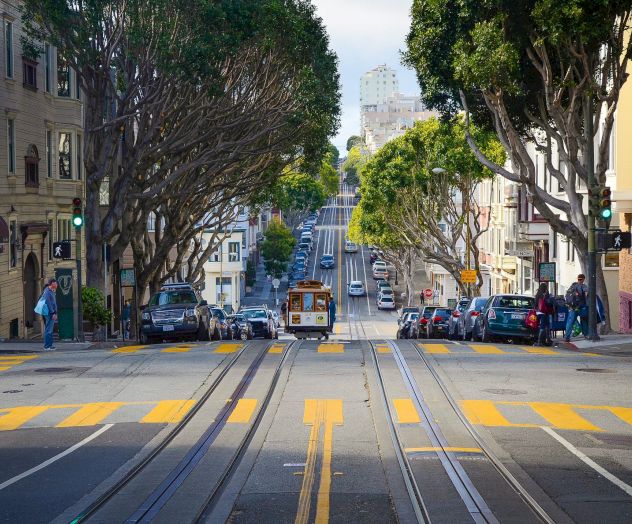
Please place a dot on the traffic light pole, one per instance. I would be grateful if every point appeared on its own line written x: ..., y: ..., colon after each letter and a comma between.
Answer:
x: 80, y: 335
x: 592, y: 245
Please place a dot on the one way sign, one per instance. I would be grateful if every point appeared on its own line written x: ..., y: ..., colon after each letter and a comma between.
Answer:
x: 614, y: 240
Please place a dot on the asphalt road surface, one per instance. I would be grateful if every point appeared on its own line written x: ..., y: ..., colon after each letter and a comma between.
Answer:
x: 362, y: 428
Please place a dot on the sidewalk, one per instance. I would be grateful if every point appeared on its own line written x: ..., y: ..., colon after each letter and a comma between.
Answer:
x: 615, y: 343
x: 37, y: 346
x: 263, y: 292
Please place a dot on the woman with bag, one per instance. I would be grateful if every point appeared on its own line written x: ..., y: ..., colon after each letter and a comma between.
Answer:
x: 47, y: 308
x: 544, y: 306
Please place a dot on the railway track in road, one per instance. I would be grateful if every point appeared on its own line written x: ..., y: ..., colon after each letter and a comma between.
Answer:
x: 150, y: 507
x: 468, y: 493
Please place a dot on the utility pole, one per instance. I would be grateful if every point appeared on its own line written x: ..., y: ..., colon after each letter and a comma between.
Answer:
x: 592, y: 247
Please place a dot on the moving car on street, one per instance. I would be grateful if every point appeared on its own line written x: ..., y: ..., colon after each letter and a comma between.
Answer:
x: 504, y: 317
x: 356, y: 289
x: 240, y: 327
x: 385, y: 302
x: 351, y: 247
x: 261, y: 320
x: 327, y: 261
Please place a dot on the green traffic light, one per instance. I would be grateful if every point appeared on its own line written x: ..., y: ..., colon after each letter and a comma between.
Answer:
x: 606, y: 214
x: 77, y: 221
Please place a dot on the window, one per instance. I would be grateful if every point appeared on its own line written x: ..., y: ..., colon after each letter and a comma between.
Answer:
x: 11, y: 144
x: 217, y: 255
x: 65, y: 156
x: 233, y: 251
x: 63, y: 77
x: 8, y: 45
x: 104, y: 192
x: 47, y: 68
x: 151, y: 222
x: 527, y: 279
x: 31, y: 167
x: 568, y: 249
x: 50, y: 239
x: 13, y: 243
x: 49, y: 154
x: 29, y: 73
x: 63, y: 229
x: 77, y: 86
x: 79, y: 158
x: 554, y: 242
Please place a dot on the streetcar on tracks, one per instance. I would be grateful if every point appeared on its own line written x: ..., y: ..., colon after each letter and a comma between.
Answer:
x: 307, y: 313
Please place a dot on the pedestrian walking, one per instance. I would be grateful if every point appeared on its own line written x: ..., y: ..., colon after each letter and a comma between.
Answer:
x: 545, y: 307
x: 50, y: 313
x: 126, y: 316
x: 576, y: 300
x: 332, y: 313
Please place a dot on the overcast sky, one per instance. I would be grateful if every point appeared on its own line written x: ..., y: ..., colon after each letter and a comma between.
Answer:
x: 364, y: 34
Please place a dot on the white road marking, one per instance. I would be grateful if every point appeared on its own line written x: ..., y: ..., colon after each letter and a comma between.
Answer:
x: 51, y: 460
x: 587, y: 460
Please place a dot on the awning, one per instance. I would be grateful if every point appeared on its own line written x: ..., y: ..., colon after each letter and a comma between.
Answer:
x: 4, y: 231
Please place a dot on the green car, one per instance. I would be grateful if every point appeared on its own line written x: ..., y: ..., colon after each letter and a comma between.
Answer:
x: 504, y: 317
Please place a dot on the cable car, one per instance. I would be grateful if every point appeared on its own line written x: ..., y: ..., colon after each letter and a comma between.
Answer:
x: 307, y: 313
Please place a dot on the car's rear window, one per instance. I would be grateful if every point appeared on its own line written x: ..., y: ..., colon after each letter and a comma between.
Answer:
x: 511, y: 302
x: 165, y: 298
x: 428, y: 312
x: 255, y: 313
x: 387, y: 299
x: 358, y: 285
x: 442, y: 313
x: 327, y: 257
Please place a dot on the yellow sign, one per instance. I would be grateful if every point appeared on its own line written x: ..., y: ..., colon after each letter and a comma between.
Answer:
x: 321, y: 319
x: 468, y: 276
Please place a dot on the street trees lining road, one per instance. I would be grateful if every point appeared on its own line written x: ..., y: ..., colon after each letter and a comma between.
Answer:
x: 277, y: 248
x: 530, y: 71
x: 190, y: 109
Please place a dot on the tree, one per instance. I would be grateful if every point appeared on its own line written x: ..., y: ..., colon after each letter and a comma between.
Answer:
x: 94, y: 311
x: 333, y: 155
x: 277, y: 248
x: 533, y: 72
x: 329, y: 178
x: 353, y: 141
x: 353, y: 166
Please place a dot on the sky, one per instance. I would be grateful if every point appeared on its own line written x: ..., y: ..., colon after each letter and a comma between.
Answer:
x: 364, y: 34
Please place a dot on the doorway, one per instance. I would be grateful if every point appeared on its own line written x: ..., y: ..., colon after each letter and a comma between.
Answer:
x: 31, y: 292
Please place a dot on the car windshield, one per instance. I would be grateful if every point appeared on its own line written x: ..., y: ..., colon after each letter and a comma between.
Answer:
x: 255, y: 313
x: 386, y: 299
x: 444, y: 313
x: 165, y: 298
x: 327, y: 257
x: 511, y: 302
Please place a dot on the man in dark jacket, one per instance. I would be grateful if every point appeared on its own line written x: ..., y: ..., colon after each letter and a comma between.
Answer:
x: 332, y: 313
x: 576, y: 300
x: 51, y: 317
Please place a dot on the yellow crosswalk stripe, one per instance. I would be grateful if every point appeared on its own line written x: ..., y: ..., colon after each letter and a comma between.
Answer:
x: 331, y: 348
x: 90, y: 414
x: 129, y: 349
x: 13, y: 418
x: 406, y: 412
x: 243, y: 411
x: 538, y: 350
x: 277, y: 348
x: 9, y: 361
x: 168, y: 411
x: 485, y: 413
x: 435, y: 348
x: 624, y: 414
x: 383, y: 348
x: 562, y: 416
x: 227, y: 348
x: 484, y: 349
x: 177, y: 349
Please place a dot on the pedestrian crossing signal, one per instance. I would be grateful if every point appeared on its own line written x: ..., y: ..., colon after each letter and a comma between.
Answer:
x: 77, y: 213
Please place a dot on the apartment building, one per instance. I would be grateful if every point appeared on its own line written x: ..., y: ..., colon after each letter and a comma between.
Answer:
x: 41, y: 171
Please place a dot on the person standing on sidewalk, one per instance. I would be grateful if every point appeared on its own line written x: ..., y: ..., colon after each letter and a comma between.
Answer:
x: 284, y: 312
x: 576, y: 300
x: 544, y: 308
x: 332, y: 313
x: 51, y: 317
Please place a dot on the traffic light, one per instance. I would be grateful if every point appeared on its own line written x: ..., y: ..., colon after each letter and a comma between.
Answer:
x: 77, y: 213
x: 594, y: 195
x: 605, y: 205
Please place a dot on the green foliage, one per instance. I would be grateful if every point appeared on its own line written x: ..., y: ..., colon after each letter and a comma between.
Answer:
x: 353, y: 141
x: 353, y: 166
x: 329, y: 178
x: 251, y: 273
x: 333, y: 155
x: 296, y: 191
x: 277, y: 248
x: 93, y: 309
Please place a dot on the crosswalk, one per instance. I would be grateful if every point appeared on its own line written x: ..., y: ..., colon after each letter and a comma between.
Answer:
x: 523, y: 414
x: 8, y: 362
x: 490, y: 349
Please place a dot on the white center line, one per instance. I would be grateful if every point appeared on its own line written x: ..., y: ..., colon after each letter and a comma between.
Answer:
x: 61, y: 455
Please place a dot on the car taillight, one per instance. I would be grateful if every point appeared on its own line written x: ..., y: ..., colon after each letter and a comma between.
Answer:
x: 437, y: 319
x: 456, y: 314
x: 491, y: 314
x: 424, y: 321
x: 475, y: 313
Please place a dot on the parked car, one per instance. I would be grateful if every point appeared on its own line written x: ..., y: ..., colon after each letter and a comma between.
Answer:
x: 305, y: 246
x: 351, y: 247
x: 385, y: 302
x: 418, y: 328
x: 356, y: 288
x: 327, y: 261
x: 261, y: 320
x: 222, y: 330
x: 380, y: 272
x: 373, y: 257
x: 403, y: 330
x: 467, y: 320
x: 241, y: 329
x: 504, y: 317
x: 405, y: 310
x: 453, y: 322
x: 386, y: 291
x: 176, y: 311
x: 437, y: 326
x: 298, y: 275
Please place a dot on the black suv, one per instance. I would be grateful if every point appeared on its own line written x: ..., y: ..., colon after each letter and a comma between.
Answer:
x: 262, y: 321
x: 176, y: 311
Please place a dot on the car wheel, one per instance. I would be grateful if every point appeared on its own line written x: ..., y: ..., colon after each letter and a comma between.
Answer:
x: 216, y: 335
x: 244, y: 336
x: 485, y: 334
x: 144, y: 339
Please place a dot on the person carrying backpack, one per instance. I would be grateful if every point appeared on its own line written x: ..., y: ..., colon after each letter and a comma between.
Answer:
x: 576, y: 300
x: 47, y: 307
x: 544, y: 306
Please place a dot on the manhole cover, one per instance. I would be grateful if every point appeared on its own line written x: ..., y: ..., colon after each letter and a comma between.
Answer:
x: 13, y: 391
x: 54, y: 370
x: 505, y: 391
x: 597, y: 370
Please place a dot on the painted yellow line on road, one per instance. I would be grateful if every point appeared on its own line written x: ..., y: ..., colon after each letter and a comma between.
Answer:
x: 406, y: 412
x: 168, y: 411
x: 538, y: 350
x: 433, y: 449
x: 340, y: 260
x: 227, y: 348
x: 90, y: 414
x: 383, y: 348
x: 316, y: 413
x: 13, y: 418
x: 243, y: 411
x: 562, y: 416
x: 277, y: 348
x: 624, y: 414
x: 485, y: 413
x: 177, y: 349
x: 435, y: 348
x: 21, y: 358
x: 484, y: 349
x: 129, y: 349
x: 331, y: 348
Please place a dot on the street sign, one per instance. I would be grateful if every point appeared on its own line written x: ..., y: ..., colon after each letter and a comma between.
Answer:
x: 62, y: 250
x: 523, y: 253
x: 547, y: 271
x: 428, y: 293
x: 468, y: 276
x: 615, y: 240
x: 275, y: 283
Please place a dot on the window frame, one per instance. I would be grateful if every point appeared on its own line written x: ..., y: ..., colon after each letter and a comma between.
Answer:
x: 29, y: 65
x: 48, y: 68
x: 31, y: 169
x: 61, y: 73
x: 13, y: 243
x: 234, y: 256
x: 11, y: 145
x: 49, y: 154
x: 9, y: 66
x: 69, y: 154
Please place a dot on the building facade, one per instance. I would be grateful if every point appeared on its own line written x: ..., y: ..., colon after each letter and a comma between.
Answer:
x: 41, y: 171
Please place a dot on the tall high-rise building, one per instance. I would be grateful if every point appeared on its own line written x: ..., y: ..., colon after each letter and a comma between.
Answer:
x: 376, y: 86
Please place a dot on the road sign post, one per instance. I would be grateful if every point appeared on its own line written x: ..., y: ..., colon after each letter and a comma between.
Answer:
x: 275, y: 284
x: 468, y: 276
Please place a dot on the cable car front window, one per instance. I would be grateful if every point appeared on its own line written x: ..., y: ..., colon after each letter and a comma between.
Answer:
x: 308, y: 301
